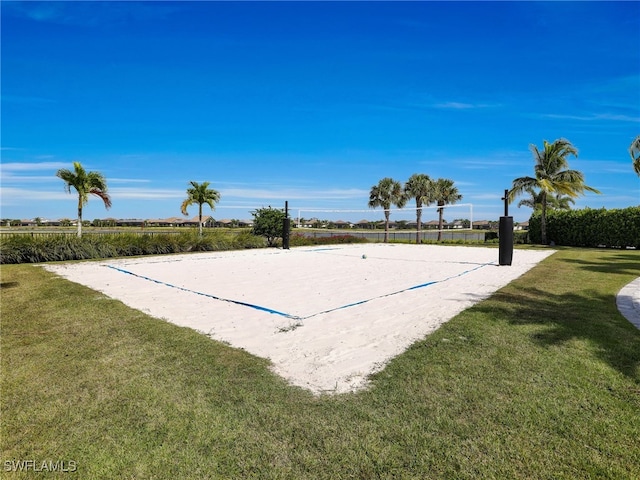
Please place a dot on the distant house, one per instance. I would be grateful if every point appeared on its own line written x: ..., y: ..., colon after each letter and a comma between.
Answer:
x: 482, y: 225
x: 522, y: 226
x: 342, y: 224
x: 165, y: 222
x: 130, y: 222
x: 207, y: 221
x: 431, y: 225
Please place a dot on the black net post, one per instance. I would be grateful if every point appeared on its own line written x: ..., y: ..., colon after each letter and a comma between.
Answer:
x: 505, y: 234
x: 505, y: 239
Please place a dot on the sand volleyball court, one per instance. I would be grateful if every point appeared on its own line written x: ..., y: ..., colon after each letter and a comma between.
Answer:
x: 326, y: 317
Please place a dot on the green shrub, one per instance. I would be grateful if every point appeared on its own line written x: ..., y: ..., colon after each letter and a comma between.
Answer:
x: 247, y: 240
x: 300, y: 240
x: 491, y: 235
x: 520, y: 238
x: 589, y: 227
x: 269, y: 223
x: 24, y: 248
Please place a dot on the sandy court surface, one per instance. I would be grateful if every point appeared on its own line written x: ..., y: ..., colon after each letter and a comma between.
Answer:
x: 326, y: 317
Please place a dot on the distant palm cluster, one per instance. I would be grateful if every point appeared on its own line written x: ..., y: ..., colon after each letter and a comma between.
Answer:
x: 553, y: 186
x: 420, y: 187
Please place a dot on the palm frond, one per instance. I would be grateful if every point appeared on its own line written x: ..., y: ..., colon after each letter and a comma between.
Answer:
x: 634, y: 152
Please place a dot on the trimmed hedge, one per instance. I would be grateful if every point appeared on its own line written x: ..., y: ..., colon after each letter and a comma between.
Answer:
x: 23, y: 248
x: 300, y: 240
x: 590, y: 227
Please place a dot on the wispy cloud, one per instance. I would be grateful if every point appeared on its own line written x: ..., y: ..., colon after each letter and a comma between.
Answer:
x: 461, y: 105
x: 10, y: 178
x: 16, y: 196
x: 124, y: 193
x: 293, y: 194
x: 89, y: 14
x: 594, y: 117
x: 32, y: 167
x: 111, y: 180
x: 485, y: 196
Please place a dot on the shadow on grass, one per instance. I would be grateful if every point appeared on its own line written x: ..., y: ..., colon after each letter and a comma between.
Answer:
x: 8, y: 284
x: 620, y: 263
x: 572, y: 316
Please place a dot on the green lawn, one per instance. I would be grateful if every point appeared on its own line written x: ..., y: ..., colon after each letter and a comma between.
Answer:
x: 540, y: 381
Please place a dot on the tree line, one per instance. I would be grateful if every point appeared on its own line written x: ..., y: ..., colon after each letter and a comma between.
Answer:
x: 421, y: 188
x: 553, y: 186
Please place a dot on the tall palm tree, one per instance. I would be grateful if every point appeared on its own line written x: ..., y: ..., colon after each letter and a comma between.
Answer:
x: 91, y: 183
x: 386, y: 193
x: 445, y: 193
x: 200, y: 193
x: 555, y: 202
x: 420, y: 187
x: 552, y: 176
x: 634, y: 151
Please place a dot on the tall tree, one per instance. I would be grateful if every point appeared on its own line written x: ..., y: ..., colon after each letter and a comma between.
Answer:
x: 445, y: 193
x: 419, y: 187
x: 201, y: 194
x: 552, y: 176
x: 269, y: 223
x: 634, y: 151
x: 91, y: 183
x: 386, y: 193
x: 555, y: 202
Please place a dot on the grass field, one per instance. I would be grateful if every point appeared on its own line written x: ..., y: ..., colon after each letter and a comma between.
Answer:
x: 542, y: 380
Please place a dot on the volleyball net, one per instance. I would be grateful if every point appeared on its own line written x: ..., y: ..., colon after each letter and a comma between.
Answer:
x: 457, y: 216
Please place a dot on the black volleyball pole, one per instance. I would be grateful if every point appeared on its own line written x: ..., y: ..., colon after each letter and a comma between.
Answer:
x: 505, y: 234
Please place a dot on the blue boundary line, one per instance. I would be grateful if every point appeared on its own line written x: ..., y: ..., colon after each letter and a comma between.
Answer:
x: 296, y: 317
x: 415, y: 287
x: 237, y: 302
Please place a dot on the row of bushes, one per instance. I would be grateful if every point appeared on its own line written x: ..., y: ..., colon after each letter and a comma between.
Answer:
x: 589, y: 227
x: 35, y: 249
x: 300, y: 240
x: 64, y: 247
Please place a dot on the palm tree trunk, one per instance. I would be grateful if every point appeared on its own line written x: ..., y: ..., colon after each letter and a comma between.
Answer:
x: 440, y: 215
x: 418, y: 222
x: 79, y: 218
x: 543, y: 221
x: 200, y: 217
x: 386, y: 226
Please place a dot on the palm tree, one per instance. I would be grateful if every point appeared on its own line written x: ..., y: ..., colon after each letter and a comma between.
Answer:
x: 634, y: 151
x: 555, y: 202
x: 386, y: 193
x: 85, y: 184
x: 445, y: 193
x: 200, y: 193
x: 552, y: 176
x: 420, y: 187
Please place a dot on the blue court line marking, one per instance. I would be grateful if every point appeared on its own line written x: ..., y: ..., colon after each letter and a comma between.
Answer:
x: 237, y: 302
x: 297, y: 317
x: 415, y: 287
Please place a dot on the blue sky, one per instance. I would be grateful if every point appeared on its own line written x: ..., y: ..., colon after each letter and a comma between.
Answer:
x: 311, y: 102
